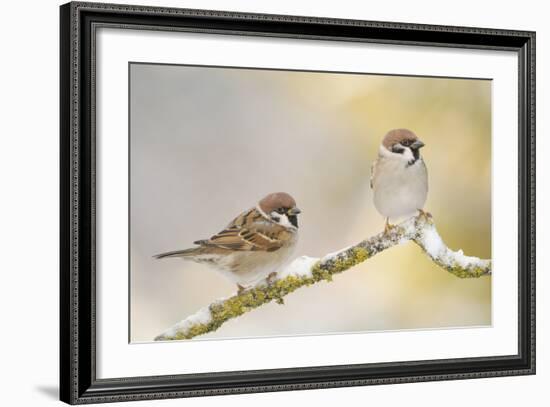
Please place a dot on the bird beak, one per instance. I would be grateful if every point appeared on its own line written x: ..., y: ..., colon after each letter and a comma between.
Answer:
x: 294, y: 211
x: 417, y: 144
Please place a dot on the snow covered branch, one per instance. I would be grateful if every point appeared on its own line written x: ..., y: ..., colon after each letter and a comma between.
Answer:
x: 305, y: 271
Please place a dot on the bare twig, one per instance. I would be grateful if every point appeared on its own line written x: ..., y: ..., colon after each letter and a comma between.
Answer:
x: 306, y: 271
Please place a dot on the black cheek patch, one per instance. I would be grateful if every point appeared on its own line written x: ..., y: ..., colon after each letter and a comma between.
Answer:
x: 293, y: 219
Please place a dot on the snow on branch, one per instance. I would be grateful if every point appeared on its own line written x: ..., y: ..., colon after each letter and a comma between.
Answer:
x: 305, y: 271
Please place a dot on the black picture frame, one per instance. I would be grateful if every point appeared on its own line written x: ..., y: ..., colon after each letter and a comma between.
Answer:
x: 78, y: 382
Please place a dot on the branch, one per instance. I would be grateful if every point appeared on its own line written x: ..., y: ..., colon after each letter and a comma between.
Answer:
x: 305, y: 271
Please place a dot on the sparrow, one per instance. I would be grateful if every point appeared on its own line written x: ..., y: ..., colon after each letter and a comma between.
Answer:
x: 253, y: 246
x: 399, y: 177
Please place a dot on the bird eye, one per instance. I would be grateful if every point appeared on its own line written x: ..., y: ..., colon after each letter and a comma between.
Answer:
x: 406, y: 143
x: 280, y: 210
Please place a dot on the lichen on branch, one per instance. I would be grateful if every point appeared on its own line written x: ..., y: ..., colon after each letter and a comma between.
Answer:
x: 305, y: 271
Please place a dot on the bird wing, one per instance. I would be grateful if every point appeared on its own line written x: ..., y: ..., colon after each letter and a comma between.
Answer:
x: 372, y: 173
x: 249, y: 231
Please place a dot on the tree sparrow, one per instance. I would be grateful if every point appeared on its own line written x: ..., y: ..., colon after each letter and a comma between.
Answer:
x: 399, y: 177
x: 254, y: 245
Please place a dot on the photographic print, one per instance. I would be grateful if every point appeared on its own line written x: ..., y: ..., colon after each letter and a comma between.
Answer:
x: 310, y: 203
x: 276, y: 202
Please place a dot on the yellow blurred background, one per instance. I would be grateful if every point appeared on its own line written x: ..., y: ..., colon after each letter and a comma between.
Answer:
x: 208, y: 143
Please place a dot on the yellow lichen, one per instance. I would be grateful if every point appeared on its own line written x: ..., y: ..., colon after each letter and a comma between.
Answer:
x: 321, y: 271
x: 340, y: 263
x: 195, y: 330
x: 471, y: 272
x: 255, y: 297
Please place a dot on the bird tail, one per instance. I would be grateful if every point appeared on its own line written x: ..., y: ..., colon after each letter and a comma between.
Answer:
x: 180, y: 253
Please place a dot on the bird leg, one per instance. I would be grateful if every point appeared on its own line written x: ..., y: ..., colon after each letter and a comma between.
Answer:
x: 270, y: 279
x: 388, y: 227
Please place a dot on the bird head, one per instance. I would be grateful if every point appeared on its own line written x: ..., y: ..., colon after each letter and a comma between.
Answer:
x: 280, y: 208
x: 402, y: 144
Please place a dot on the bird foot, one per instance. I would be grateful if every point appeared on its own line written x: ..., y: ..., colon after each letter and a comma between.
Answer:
x: 240, y: 289
x: 388, y: 227
x: 426, y: 215
x: 270, y: 279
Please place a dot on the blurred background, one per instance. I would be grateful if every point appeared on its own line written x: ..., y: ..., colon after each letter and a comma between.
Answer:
x: 208, y: 143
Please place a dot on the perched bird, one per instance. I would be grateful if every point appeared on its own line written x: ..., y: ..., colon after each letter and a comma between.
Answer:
x: 399, y: 177
x: 254, y: 245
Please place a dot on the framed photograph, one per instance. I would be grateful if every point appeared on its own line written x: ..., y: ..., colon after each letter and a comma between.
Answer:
x: 255, y: 203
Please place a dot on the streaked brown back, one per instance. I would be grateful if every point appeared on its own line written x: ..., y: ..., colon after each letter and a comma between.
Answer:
x: 249, y: 232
